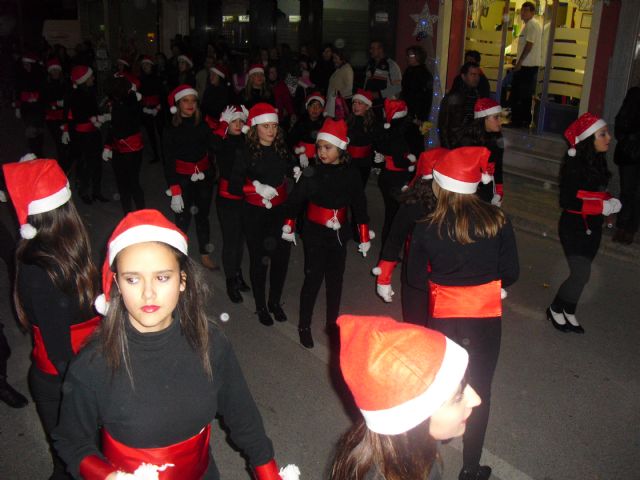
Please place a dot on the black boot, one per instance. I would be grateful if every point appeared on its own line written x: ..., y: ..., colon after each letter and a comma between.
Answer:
x: 10, y: 396
x: 481, y: 472
x: 232, y: 290
x: 306, y: 340
x: 277, y: 311
x: 242, y: 285
x: 264, y: 317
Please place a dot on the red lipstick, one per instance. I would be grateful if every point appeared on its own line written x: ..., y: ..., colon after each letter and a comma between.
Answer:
x: 150, y: 308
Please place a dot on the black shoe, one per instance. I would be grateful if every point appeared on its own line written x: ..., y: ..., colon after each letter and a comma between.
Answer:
x: 306, y: 340
x: 232, y: 291
x: 12, y: 397
x: 242, y: 285
x: 100, y: 198
x: 264, y: 317
x: 277, y: 311
x: 558, y: 326
x: 482, y: 472
x: 571, y: 327
x: 155, y: 160
x: 86, y: 199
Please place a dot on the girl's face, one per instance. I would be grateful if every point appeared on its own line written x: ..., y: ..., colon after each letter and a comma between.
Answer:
x: 90, y: 81
x: 492, y: 123
x: 55, y: 73
x: 327, y: 152
x: 267, y: 133
x: 601, y: 139
x: 187, y: 106
x: 146, y: 68
x: 359, y: 108
x: 273, y: 74
x: 256, y: 80
x: 315, y: 110
x: 235, y: 127
x: 183, y: 66
x: 450, y: 420
x: 214, y: 79
x: 150, y: 281
x: 337, y: 61
x: 412, y: 58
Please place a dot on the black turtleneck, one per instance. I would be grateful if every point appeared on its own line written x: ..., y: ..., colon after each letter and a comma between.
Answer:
x: 267, y: 166
x: 305, y: 130
x: 171, y: 398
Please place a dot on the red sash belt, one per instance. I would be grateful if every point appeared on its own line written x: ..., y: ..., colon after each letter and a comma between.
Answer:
x: 54, y: 115
x: 132, y: 143
x: 150, y: 100
x: 473, y: 301
x: 389, y: 165
x: 309, y: 149
x: 253, y: 198
x: 363, y: 151
x: 190, y: 458
x: 189, y: 168
x: 29, y: 97
x: 79, y: 333
x: 321, y: 215
x: 86, y: 127
x: 223, y: 190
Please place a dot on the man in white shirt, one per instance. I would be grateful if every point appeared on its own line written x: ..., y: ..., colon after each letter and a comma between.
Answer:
x: 383, y: 76
x: 526, y: 69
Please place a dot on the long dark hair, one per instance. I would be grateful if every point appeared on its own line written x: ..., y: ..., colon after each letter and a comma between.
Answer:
x: 408, y: 456
x: 254, y: 143
x: 420, y: 192
x: 592, y: 164
x: 176, y: 119
x: 477, y: 135
x: 62, y: 249
x: 112, y: 334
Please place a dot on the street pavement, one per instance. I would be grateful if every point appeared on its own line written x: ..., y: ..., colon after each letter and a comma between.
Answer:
x: 564, y: 406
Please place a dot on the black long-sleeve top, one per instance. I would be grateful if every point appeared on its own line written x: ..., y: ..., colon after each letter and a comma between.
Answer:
x: 54, y: 92
x: 576, y: 175
x: 187, y: 142
x: 214, y: 100
x: 403, y: 222
x: 172, y: 398
x: 454, y: 264
x: 255, y: 96
x: 151, y: 85
x: 333, y: 187
x: 495, y: 143
x: 456, y: 114
x: 51, y: 310
x: 268, y: 167
x: 226, y: 153
x: 305, y: 130
x: 417, y: 91
x: 32, y: 81
x: 126, y: 117
x: 358, y: 135
x: 82, y: 104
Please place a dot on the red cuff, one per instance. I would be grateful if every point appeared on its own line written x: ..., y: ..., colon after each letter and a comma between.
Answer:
x: 108, y: 147
x: 93, y: 467
x: 292, y: 223
x: 175, y: 190
x: 386, y: 271
x: 591, y: 207
x: 363, y: 229
x: 248, y: 188
x: 500, y: 189
x: 268, y: 471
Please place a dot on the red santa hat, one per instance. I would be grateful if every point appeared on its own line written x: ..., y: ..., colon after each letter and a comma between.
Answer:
x: 124, y: 62
x: 315, y: 97
x: 255, y: 68
x: 426, y: 161
x: 133, y: 80
x: 334, y: 132
x: 147, y: 59
x: 137, y: 227
x: 53, y: 64
x: 260, y: 113
x: 35, y: 186
x: 394, y: 109
x: 586, y: 125
x: 221, y: 70
x: 485, y: 107
x: 80, y: 74
x: 185, y: 58
x: 399, y: 374
x: 462, y: 169
x: 363, y: 96
x: 179, y: 92
x: 29, y: 57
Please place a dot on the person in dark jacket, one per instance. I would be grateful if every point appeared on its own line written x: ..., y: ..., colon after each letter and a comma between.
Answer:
x: 456, y: 109
x: 55, y: 91
x: 484, y: 88
x: 217, y: 94
x: 585, y: 202
x: 29, y: 103
x: 153, y: 94
x: 417, y: 85
x: 323, y: 68
x: 465, y: 253
x: 627, y: 157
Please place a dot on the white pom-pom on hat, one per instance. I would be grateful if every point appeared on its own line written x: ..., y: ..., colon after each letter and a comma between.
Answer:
x: 290, y: 472
x: 173, y: 109
x: 27, y: 157
x: 372, y: 234
x: 571, y: 152
x: 28, y: 231
x: 224, y: 317
x: 387, y: 125
x: 486, y: 178
x: 245, y: 129
x: 411, y: 168
x: 299, y: 150
x: 503, y: 294
x: 101, y: 304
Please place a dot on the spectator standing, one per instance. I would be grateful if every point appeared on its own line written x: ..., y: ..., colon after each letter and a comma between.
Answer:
x: 383, y: 76
x: 202, y: 77
x: 456, y: 109
x: 484, y: 88
x: 340, y: 86
x: 417, y: 84
x: 324, y: 68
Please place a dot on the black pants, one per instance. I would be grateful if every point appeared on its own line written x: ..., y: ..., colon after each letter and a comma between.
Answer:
x: 323, y: 260
x: 34, y: 131
x: 481, y: 338
x: 230, y: 218
x: 629, y: 217
x: 153, y: 126
x: 390, y: 184
x: 364, y: 167
x: 524, y: 86
x: 197, y: 197
x: 62, y: 150
x: 580, y: 249
x: 7, y: 253
x: 126, y: 167
x: 415, y: 301
x: 267, y: 251
x: 46, y: 391
x: 87, y: 153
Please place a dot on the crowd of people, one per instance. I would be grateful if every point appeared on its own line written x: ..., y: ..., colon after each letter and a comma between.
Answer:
x: 284, y: 147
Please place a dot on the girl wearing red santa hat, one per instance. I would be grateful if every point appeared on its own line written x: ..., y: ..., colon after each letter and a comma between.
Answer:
x: 302, y: 137
x: 188, y: 142
x: 256, y: 90
x: 259, y: 175
x: 152, y: 91
x: 364, y: 129
x: 157, y: 372
x: 29, y: 102
x: 585, y: 202
x: 328, y: 191
x: 409, y: 382
x: 55, y: 89
x: 465, y: 252
x: 55, y: 281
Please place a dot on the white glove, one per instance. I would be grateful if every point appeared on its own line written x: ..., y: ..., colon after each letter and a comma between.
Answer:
x: 289, y: 237
x: 60, y: 103
x: 611, y: 206
x: 138, y: 96
x: 104, y: 118
x: 496, y: 200
x: 304, y: 160
x: 297, y: 173
x: 411, y: 168
x: 177, y: 204
x: 267, y: 192
x: 3, y: 196
x: 376, y: 171
x: 290, y: 472
x: 18, y: 113
x: 145, y: 471
x: 411, y: 157
x: 65, y: 138
x: 146, y: 110
x: 378, y: 157
x: 385, y: 292
x: 364, y: 247
x: 107, y: 154
x: 226, y: 115
x: 155, y: 111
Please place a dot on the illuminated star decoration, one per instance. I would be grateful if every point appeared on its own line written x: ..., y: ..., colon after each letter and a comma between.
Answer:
x: 424, y: 22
